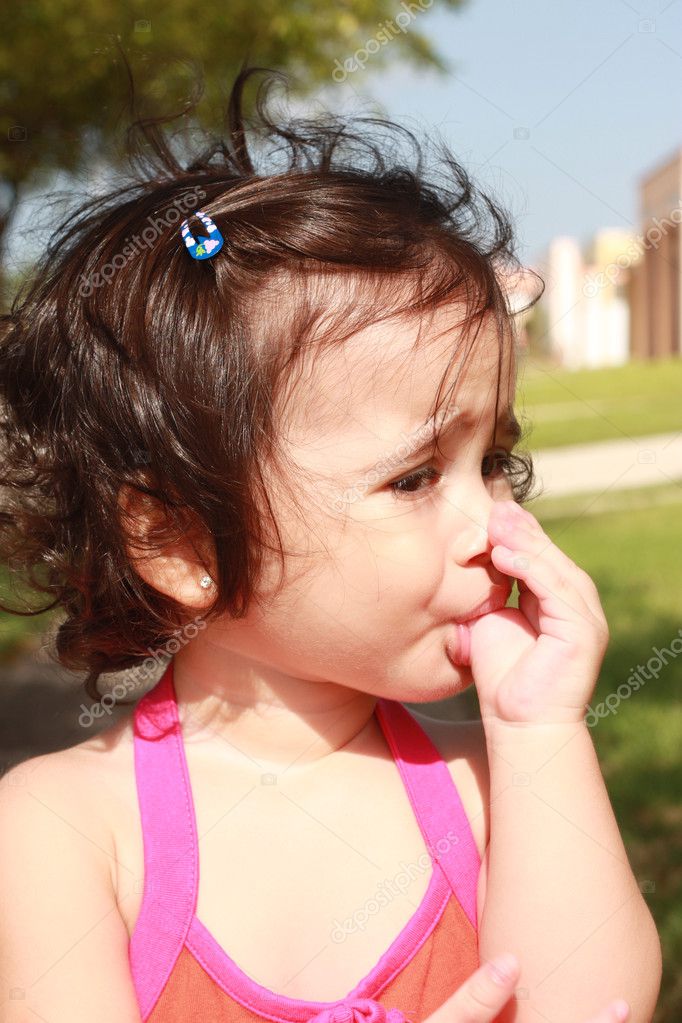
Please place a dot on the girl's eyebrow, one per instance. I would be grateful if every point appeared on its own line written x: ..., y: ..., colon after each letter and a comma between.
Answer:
x: 507, y: 424
x: 391, y: 460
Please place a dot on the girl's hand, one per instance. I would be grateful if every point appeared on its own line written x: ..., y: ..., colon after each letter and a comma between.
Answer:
x: 538, y: 664
x: 484, y: 995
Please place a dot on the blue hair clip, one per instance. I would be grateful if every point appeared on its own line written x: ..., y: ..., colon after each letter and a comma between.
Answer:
x: 201, y: 247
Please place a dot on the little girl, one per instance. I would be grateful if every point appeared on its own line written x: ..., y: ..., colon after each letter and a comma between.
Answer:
x: 258, y: 423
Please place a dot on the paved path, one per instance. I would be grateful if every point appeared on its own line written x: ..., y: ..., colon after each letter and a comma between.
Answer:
x: 610, y: 464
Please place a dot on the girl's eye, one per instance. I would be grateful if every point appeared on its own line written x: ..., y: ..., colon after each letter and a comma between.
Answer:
x: 411, y: 484
x: 503, y: 457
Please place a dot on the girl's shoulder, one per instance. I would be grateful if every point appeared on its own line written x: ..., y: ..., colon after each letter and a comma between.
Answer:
x: 57, y: 862
x: 78, y: 769
x: 78, y: 785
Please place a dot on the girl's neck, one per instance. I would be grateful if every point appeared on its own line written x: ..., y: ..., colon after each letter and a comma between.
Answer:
x: 257, y: 717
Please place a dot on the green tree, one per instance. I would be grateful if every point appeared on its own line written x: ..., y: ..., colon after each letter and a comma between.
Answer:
x: 62, y: 79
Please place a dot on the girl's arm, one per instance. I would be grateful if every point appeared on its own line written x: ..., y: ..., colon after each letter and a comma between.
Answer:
x: 560, y: 890
x: 63, y: 942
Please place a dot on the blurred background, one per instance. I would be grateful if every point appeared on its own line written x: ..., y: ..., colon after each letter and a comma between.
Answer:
x: 570, y: 114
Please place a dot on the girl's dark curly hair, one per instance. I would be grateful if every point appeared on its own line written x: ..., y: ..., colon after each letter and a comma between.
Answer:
x: 127, y: 364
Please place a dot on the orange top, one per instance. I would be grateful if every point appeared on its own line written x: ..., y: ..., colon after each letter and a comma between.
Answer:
x: 181, y: 973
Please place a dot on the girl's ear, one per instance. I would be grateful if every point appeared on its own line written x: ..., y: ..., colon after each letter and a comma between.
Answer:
x: 174, y: 568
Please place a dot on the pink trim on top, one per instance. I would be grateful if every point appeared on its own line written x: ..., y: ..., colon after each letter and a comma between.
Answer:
x: 270, y: 1005
x: 170, y: 842
x: 167, y: 919
x: 436, y: 801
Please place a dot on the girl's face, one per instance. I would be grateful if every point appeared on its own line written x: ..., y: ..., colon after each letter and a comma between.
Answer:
x: 385, y: 559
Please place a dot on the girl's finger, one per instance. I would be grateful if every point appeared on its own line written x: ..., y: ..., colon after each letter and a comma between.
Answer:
x: 615, y: 1012
x: 529, y: 559
x: 482, y: 996
x: 487, y: 991
x: 542, y: 544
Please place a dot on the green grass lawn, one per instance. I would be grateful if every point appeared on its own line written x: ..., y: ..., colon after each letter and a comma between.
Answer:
x: 630, y: 544
x: 573, y: 407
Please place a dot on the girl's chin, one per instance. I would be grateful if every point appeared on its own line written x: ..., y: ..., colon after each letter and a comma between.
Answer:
x: 455, y: 685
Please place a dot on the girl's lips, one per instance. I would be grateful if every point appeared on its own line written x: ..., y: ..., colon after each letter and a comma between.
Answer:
x: 458, y: 646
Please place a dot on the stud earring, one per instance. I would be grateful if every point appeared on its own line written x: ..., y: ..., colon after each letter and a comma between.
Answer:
x: 205, y: 582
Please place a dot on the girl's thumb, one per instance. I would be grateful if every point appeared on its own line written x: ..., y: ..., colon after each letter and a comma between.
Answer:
x: 503, y: 970
x: 483, y: 995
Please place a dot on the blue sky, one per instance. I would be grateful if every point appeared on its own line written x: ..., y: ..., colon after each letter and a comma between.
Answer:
x: 596, y: 86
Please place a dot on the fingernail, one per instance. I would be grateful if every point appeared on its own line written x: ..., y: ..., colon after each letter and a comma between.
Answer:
x: 621, y: 1009
x: 503, y: 968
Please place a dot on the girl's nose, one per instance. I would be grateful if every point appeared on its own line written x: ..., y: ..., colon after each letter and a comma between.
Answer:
x: 472, y: 547
x: 469, y: 542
